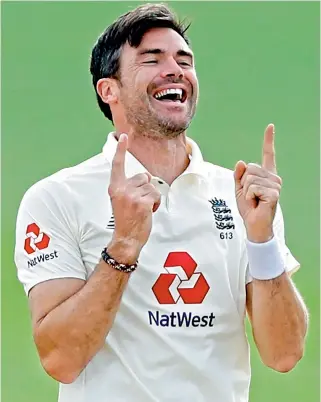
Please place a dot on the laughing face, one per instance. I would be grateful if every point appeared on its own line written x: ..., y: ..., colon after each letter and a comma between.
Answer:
x: 159, y: 88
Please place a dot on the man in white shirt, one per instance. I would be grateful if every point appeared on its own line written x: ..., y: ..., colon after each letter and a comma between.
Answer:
x: 140, y: 263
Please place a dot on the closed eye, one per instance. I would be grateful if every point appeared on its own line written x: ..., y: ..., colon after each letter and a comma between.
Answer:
x: 184, y: 63
x: 150, y: 62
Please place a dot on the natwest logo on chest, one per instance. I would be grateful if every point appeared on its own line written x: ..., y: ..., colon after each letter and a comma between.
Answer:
x: 181, y: 285
x: 180, y: 319
x: 180, y: 281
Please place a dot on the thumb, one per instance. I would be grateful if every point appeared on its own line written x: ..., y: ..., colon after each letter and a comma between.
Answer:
x: 239, y: 171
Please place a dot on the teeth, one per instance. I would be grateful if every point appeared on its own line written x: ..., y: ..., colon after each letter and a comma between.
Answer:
x: 177, y: 91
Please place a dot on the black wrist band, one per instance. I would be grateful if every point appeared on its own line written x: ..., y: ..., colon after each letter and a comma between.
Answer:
x: 121, y: 267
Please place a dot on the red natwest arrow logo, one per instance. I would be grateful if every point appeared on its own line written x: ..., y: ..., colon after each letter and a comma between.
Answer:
x: 35, y: 240
x: 184, y: 282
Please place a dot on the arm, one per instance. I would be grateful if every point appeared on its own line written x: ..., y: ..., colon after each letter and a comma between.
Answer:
x: 71, y: 318
x: 279, y: 321
x: 275, y: 308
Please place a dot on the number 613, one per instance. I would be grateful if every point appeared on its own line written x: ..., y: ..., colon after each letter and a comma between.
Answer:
x: 226, y: 235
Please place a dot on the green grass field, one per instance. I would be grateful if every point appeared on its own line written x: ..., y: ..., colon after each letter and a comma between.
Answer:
x: 257, y: 63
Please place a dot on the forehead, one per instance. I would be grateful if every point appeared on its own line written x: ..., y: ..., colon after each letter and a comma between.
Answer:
x: 158, y: 38
x: 163, y: 38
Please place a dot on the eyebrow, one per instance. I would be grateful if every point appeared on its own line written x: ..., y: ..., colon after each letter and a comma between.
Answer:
x: 180, y: 52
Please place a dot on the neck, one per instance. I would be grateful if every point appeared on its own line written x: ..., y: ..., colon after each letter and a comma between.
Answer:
x: 166, y: 158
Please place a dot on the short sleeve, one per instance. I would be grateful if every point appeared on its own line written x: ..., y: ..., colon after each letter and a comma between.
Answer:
x: 46, y: 246
x: 291, y: 264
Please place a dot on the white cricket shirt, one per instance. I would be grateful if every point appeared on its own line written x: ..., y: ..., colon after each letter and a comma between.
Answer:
x: 179, y: 334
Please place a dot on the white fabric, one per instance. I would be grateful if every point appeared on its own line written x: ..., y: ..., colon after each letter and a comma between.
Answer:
x: 291, y: 264
x: 265, y: 259
x: 179, y: 333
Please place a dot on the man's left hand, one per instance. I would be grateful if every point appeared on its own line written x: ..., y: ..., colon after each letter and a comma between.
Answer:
x: 257, y: 191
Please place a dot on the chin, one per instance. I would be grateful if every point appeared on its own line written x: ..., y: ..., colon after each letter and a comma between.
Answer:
x: 173, y: 127
x: 176, y: 119
x: 163, y: 121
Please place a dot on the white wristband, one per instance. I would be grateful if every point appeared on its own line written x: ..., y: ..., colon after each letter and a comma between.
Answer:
x: 265, y: 259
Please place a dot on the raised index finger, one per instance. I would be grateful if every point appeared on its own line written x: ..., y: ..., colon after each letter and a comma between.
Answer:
x: 118, y: 165
x: 268, y: 151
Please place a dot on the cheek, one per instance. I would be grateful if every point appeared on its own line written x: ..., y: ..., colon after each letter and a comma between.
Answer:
x: 195, y: 85
x: 143, y: 82
x: 137, y: 87
x: 192, y: 78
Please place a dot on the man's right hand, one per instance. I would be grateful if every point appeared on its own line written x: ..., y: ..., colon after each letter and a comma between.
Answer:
x: 133, y: 201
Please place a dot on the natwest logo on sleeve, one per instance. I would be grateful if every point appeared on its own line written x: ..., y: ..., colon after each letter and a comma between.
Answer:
x: 181, y: 281
x: 35, y: 240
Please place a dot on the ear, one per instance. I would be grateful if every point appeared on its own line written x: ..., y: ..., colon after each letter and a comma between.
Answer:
x: 108, y: 90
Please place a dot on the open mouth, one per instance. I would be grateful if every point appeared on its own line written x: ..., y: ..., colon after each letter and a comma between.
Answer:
x: 171, y: 95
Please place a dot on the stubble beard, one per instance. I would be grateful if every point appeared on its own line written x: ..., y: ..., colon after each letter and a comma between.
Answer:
x: 146, y: 122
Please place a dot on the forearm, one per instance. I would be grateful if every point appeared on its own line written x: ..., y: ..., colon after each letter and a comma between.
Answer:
x: 279, y: 320
x: 71, y: 334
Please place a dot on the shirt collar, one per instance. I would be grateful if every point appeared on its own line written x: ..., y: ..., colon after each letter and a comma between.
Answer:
x: 133, y: 166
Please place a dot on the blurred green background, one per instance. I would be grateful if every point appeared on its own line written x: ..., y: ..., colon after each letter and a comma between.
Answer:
x: 258, y: 62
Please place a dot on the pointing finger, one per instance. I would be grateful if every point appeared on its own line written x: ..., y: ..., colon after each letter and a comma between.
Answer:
x: 268, y: 151
x: 118, y: 165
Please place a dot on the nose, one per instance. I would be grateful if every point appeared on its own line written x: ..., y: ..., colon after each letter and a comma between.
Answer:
x: 172, y: 69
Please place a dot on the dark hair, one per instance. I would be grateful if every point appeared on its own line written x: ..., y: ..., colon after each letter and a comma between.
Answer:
x: 130, y: 28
